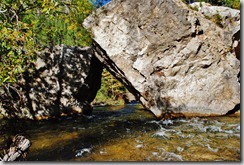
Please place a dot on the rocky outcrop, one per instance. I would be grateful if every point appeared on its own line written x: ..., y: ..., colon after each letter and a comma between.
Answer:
x: 65, y: 81
x: 171, y: 57
x: 226, y: 18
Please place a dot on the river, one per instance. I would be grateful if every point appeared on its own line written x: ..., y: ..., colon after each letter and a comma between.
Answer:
x: 129, y: 133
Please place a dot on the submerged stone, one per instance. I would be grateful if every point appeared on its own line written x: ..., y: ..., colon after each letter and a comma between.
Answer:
x: 171, y: 57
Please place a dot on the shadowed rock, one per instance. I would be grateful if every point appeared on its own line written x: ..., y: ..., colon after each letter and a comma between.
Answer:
x: 65, y: 81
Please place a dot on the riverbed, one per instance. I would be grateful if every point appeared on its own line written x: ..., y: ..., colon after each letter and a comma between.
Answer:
x: 128, y: 133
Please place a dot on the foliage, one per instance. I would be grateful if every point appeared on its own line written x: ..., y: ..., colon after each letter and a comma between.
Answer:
x: 217, y: 18
x: 111, y: 91
x: 67, y: 29
x: 193, y: 8
x: 26, y: 26
x: 229, y: 3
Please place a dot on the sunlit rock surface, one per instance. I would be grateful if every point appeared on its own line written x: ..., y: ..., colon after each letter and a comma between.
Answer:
x: 168, y: 55
x: 227, y: 18
x: 65, y: 81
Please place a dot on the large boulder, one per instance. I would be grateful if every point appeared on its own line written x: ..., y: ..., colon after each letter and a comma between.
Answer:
x: 65, y: 80
x: 171, y: 57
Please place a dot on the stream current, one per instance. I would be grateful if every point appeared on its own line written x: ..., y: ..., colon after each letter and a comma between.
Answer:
x: 128, y: 133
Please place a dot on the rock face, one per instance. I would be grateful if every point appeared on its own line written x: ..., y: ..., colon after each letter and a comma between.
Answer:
x: 65, y: 81
x: 171, y: 57
x: 227, y: 18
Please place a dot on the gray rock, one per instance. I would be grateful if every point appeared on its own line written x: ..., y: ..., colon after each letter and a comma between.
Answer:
x: 169, y: 56
x: 65, y: 81
x: 225, y: 17
x: 228, y: 18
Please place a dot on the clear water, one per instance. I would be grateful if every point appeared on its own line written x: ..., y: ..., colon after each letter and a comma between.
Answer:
x: 129, y: 133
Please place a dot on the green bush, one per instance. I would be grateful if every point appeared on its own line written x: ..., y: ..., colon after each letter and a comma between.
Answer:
x: 111, y: 91
x: 27, y: 26
x: 228, y: 3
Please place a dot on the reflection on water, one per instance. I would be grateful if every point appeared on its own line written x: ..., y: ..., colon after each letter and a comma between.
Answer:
x: 128, y: 133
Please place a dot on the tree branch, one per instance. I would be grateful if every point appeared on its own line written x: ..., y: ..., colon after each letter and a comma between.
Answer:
x: 3, y: 11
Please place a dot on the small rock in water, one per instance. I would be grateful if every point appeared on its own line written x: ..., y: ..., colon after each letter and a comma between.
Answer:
x: 154, y: 153
x: 211, y: 149
x: 139, y: 146
x: 180, y: 149
x: 82, y: 152
x: 103, y: 152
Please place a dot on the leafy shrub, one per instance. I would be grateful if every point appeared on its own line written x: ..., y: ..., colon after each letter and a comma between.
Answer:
x: 27, y: 26
x: 111, y: 91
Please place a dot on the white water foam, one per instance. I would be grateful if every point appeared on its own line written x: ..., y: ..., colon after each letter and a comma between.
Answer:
x: 160, y: 122
x: 170, y: 156
x: 161, y: 134
x: 238, y: 128
x: 213, y: 129
x: 168, y: 122
x: 228, y: 131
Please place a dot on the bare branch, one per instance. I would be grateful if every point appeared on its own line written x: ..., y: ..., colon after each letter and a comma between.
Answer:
x: 3, y: 11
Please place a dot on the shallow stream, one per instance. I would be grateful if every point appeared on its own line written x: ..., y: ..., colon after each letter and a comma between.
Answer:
x: 129, y: 133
